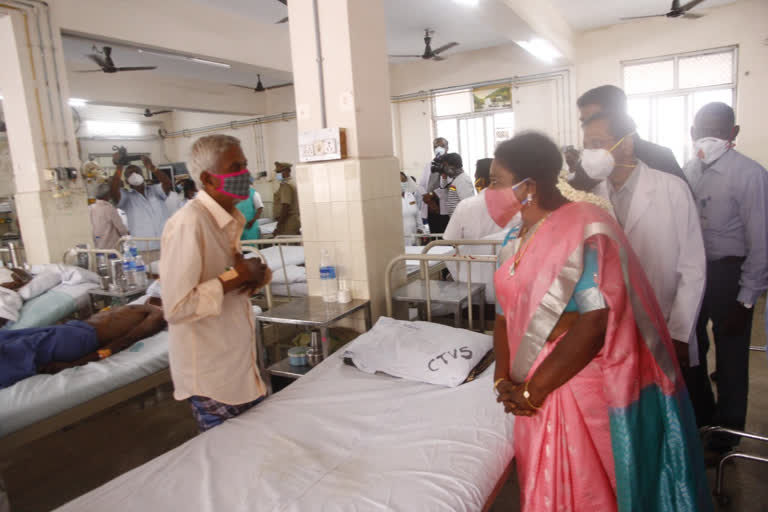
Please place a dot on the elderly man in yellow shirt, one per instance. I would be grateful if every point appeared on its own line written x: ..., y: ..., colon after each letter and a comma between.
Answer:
x: 206, y: 288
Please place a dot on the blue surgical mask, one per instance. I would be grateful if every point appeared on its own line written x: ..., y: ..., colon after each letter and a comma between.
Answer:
x: 279, y: 176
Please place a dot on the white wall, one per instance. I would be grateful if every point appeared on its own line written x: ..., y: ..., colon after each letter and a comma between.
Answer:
x: 599, y: 54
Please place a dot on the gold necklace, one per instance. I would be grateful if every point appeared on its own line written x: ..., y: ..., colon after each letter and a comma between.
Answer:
x: 521, y: 251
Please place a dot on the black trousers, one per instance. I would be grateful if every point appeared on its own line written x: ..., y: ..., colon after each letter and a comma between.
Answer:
x: 437, y: 222
x: 731, y: 354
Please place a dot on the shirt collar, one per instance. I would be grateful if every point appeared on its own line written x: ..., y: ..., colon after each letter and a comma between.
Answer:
x: 631, y: 182
x: 219, y: 214
x: 721, y: 164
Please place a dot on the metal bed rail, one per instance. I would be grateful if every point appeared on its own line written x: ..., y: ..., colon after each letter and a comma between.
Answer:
x: 280, y: 241
x: 456, y: 244
x: 267, y: 288
x: 433, y: 257
x: 89, y: 251
x: 706, y: 432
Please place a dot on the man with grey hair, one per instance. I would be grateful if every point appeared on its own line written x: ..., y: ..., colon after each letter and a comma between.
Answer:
x: 207, y: 286
x: 107, y: 225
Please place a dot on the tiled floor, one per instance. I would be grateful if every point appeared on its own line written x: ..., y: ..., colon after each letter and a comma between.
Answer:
x: 60, y: 467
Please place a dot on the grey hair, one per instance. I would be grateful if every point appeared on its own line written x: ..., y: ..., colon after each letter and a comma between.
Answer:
x: 205, y: 151
x: 103, y: 191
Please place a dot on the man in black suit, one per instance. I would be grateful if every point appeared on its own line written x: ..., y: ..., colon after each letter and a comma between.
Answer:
x: 609, y: 98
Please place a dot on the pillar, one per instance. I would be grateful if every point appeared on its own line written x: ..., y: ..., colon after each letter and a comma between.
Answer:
x: 351, y: 207
x: 40, y: 133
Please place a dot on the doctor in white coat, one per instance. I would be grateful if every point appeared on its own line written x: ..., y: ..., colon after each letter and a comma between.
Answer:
x: 660, y: 219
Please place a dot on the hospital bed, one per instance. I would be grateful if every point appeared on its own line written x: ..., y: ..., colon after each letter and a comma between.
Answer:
x: 336, y: 439
x: 39, y: 405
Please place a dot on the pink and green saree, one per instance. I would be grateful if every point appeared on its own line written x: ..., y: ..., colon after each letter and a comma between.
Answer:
x: 620, y: 435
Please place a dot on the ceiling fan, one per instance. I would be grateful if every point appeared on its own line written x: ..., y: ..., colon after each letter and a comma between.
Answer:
x: 429, y: 53
x: 676, y: 11
x: 260, y: 86
x: 107, y: 65
x: 284, y: 20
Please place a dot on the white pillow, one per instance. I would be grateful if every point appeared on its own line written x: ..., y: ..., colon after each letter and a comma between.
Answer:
x: 40, y: 284
x: 10, y: 304
x: 295, y: 274
x: 75, y: 275
x: 419, y: 351
x: 292, y: 255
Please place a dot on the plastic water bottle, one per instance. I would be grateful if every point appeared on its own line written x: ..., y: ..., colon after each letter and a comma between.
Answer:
x: 130, y: 246
x: 129, y: 268
x: 141, y: 272
x: 328, y: 277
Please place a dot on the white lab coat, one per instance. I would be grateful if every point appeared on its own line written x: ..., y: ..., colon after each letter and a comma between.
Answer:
x: 412, y: 222
x: 471, y: 221
x: 663, y: 228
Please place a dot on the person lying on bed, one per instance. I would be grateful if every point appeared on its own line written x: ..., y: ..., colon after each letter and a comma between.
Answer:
x: 26, y: 352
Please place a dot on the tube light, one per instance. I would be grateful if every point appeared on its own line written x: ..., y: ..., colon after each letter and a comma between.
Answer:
x: 77, y: 102
x: 541, y: 49
x: 467, y: 3
x: 186, y: 58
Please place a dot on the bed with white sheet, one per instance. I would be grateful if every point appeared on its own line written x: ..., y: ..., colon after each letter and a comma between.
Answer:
x: 337, y: 439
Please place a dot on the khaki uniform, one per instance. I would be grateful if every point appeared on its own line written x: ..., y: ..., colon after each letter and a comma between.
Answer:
x: 286, y: 194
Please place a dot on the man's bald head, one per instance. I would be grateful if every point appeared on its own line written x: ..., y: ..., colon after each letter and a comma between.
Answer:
x: 715, y: 119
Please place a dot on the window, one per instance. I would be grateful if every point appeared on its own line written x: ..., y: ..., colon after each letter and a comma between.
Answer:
x: 475, y: 136
x: 664, y: 94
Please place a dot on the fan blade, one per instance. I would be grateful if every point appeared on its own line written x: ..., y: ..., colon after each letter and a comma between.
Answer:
x: 90, y: 71
x: 284, y: 20
x: 690, y: 5
x: 244, y: 86
x: 444, y: 47
x: 136, y: 68
x: 692, y: 15
x: 279, y: 86
x: 437, y: 58
x: 161, y: 112
x: 643, y: 17
x: 98, y: 60
x: 407, y: 56
x: 284, y: 2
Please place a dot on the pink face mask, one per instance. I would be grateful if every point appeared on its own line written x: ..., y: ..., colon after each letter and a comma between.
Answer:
x: 503, y: 204
x: 235, y: 184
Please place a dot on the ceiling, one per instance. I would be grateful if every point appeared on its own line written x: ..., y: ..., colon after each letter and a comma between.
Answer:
x: 589, y: 14
x: 406, y: 21
x: 77, y: 48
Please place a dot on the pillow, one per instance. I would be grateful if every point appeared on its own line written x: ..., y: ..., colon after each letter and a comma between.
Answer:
x: 419, y: 351
x: 46, y: 309
x: 295, y: 274
x: 40, y: 284
x: 76, y: 275
x: 292, y: 255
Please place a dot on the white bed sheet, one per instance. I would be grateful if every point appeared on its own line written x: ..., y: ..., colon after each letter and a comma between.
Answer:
x: 41, y: 396
x: 336, y: 440
x: 297, y: 289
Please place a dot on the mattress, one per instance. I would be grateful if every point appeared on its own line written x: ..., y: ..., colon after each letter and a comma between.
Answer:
x: 336, y: 440
x: 41, y: 396
x: 297, y: 289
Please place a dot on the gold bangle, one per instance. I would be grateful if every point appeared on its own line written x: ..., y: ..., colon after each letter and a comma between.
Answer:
x: 498, y: 381
x: 527, y: 397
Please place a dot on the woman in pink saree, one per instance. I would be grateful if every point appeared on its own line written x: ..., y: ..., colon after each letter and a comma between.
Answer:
x: 583, y: 356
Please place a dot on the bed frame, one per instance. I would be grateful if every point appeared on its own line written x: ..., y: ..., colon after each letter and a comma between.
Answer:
x: 71, y: 416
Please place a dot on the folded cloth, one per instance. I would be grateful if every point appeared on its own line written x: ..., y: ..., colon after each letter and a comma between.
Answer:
x: 295, y: 274
x: 419, y: 351
x: 10, y: 304
x: 40, y: 284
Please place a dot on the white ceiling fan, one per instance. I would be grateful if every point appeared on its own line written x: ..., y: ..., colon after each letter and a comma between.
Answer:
x: 429, y: 53
x: 676, y: 11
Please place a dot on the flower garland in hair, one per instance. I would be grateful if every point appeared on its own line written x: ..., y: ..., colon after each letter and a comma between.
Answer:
x: 574, y: 195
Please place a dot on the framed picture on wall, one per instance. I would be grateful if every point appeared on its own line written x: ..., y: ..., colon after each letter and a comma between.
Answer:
x: 492, y: 97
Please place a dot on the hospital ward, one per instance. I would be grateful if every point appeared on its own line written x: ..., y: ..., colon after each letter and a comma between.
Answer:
x: 383, y: 255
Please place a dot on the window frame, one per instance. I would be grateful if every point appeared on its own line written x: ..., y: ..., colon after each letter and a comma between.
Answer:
x: 687, y: 92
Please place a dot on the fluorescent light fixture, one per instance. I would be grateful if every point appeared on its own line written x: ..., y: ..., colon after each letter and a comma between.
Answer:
x: 113, y: 128
x: 77, y: 102
x: 541, y: 49
x: 467, y: 3
x: 186, y: 58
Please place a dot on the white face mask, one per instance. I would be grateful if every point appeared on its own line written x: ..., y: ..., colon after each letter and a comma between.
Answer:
x: 709, y: 149
x: 597, y: 163
x: 439, y: 151
x: 136, y: 179
x: 404, y: 186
